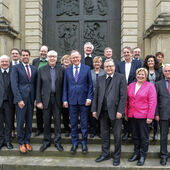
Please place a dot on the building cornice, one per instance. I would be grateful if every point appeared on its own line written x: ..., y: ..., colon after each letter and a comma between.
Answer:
x: 160, y: 26
x: 5, y: 28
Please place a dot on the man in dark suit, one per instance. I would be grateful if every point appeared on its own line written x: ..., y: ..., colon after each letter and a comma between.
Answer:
x: 163, y: 111
x: 23, y: 82
x: 39, y: 62
x: 128, y: 68
x: 137, y: 55
x: 109, y: 106
x: 6, y: 103
x: 49, y: 98
x: 15, y: 59
x: 77, y: 96
x: 108, y: 54
x: 87, y: 57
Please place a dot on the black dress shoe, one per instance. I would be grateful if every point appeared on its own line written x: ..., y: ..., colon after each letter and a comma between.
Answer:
x: 84, y: 149
x: 44, y: 147
x: 37, y: 133
x: 73, y: 149
x: 59, y: 147
x: 102, y: 158
x: 116, y: 162
x: 92, y: 135
x: 163, y: 161
x: 133, y: 158
x: 67, y: 134
x: 141, y: 161
x: 9, y: 145
x: 125, y: 136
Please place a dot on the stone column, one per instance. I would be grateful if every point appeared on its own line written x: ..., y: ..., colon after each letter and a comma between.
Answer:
x: 129, y: 25
x: 157, y: 28
x: 33, y: 26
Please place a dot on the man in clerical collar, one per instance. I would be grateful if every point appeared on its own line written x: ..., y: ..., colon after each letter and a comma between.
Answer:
x: 6, y: 103
x: 39, y: 62
x: 87, y: 57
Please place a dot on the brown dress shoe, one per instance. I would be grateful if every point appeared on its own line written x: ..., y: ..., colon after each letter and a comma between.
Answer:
x: 29, y: 147
x: 22, y: 148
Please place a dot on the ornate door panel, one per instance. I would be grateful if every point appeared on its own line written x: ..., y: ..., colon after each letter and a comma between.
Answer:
x: 68, y: 24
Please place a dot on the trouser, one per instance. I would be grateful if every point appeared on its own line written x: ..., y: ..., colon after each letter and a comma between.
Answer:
x: 74, y: 111
x: 5, y: 122
x: 39, y: 117
x: 116, y: 125
x: 52, y: 110
x: 164, y: 128
x: 140, y: 136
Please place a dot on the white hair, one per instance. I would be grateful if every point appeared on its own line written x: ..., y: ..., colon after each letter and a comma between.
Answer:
x: 4, y: 56
x: 166, y: 65
x: 52, y: 52
x: 88, y: 44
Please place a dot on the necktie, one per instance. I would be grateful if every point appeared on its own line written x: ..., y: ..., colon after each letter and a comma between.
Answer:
x: 169, y: 86
x: 16, y: 62
x: 76, y: 74
x: 108, y: 80
x: 28, y: 72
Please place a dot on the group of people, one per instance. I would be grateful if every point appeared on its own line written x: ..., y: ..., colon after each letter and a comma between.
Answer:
x: 102, y: 92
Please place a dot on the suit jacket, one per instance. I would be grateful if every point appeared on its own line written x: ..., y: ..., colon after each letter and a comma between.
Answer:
x: 83, y: 60
x: 163, y: 99
x: 93, y: 75
x: 116, y: 98
x: 134, y: 66
x: 2, y: 90
x: 44, y: 85
x: 143, y: 103
x: 23, y: 88
x: 77, y: 92
x: 36, y: 62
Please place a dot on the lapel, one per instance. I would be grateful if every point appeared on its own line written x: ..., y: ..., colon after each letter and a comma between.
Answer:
x: 103, y: 83
x: 131, y: 68
x: 47, y: 72
x: 1, y: 78
x: 142, y: 87
x: 56, y: 73
x: 112, y: 82
x: 164, y: 86
x: 123, y: 67
x: 70, y: 69
x: 25, y: 73
x: 80, y: 72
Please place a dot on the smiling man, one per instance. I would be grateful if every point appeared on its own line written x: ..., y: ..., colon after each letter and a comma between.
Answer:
x: 108, y: 107
x: 23, y: 77
x: 49, y: 98
x: 77, y: 95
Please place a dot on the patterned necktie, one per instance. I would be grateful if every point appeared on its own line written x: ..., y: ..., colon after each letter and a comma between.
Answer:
x: 169, y: 87
x: 76, y: 74
x: 28, y: 72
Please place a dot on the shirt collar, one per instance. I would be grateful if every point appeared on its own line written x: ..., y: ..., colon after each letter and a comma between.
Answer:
x: 166, y: 79
x: 77, y: 66
x: 85, y: 55
x: 43, y: 60
x: 25, y: 64
x: 13, y: 62
x: 7, y: 70
x: 109, y: 76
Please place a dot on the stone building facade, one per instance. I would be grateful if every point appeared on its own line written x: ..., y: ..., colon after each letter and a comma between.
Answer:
x: 144, y: 23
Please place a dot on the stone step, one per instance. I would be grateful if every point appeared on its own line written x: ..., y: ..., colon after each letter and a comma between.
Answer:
x: 67, y: 163
x: 95, y: 140
x: 94, y: 150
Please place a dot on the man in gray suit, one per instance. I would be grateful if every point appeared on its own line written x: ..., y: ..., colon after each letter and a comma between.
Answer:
x: 49, y: 98
x: 163, y: 111
x: 109, y: 106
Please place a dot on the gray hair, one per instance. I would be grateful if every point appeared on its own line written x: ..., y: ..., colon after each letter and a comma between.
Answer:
x: 88, y: 44
x: 166, y: 65
x: 52, y: 52
x: 4, y: 56
x: 109, y: 60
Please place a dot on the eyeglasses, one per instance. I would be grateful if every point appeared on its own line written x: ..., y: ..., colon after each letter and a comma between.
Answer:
x: 166, y: 71
x: 109, y: 66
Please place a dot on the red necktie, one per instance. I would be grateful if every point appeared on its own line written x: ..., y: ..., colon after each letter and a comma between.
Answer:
x: 28, y: 72
x: 169, y: 86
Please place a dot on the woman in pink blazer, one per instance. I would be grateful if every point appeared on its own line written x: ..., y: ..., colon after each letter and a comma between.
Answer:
x: 140, y: 110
